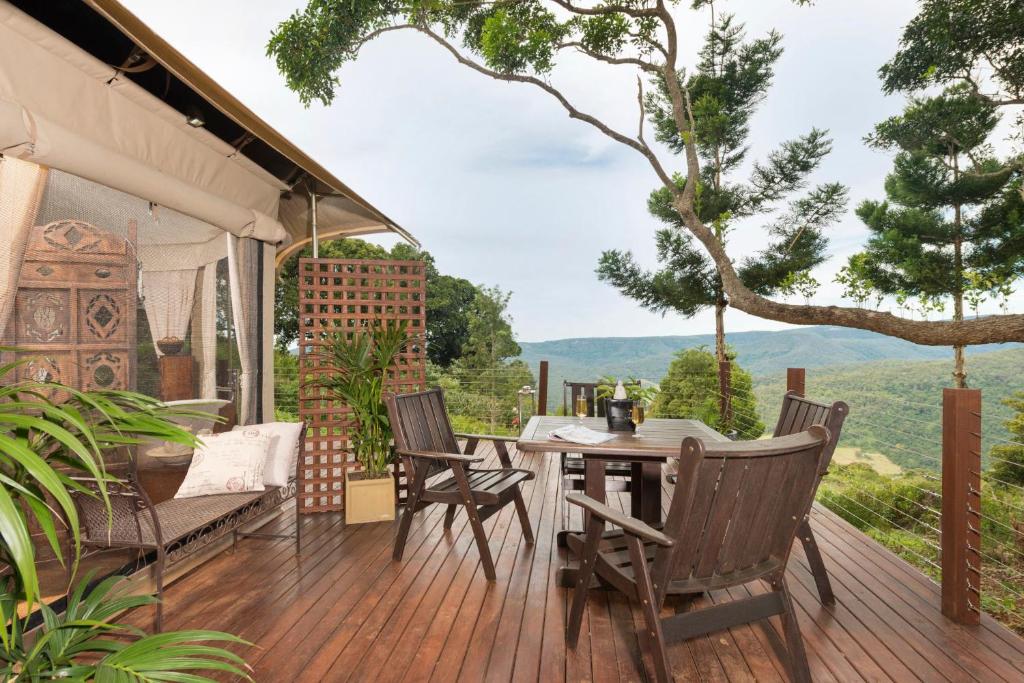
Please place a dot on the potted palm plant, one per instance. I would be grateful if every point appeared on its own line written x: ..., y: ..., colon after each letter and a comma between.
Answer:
x: 42, y: 443
x: 357, y: 365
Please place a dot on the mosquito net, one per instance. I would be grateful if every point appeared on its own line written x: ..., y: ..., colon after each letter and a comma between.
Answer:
x: 100, y: 289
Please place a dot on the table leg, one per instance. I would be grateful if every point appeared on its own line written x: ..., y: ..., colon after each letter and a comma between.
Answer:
x: 593, y: 484
x: 645, y: 492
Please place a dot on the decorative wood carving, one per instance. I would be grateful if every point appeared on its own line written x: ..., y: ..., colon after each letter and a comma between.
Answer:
x: 75, y: 308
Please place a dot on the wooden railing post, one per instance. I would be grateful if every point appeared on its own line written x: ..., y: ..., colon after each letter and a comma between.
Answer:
x: 961, y: 505
x: 795, y: 378
x: 542, y: 389
x: 725, y: 391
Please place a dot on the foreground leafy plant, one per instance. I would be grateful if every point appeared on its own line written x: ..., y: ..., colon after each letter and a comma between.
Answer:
x: 359, y: 369
x: 43, y: 442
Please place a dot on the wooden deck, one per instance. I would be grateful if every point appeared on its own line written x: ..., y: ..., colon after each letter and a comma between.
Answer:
x: 344, y: 611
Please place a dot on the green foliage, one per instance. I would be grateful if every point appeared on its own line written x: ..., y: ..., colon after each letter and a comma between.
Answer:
x: 491, y: 340
x: 732, y: 78
x: 949, y: 41
x: 635, y: 388
x: 482, y: 400
x: 1008, y: 457
x: 449, y: 305
x: 691, y: 390
x: 83, y: 644
x: 43, y: 444
x: 359, y: 363
x: 896, y: 405
x: 948, y: 222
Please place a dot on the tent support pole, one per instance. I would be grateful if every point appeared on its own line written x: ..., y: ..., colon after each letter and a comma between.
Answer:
x: 316, y: 238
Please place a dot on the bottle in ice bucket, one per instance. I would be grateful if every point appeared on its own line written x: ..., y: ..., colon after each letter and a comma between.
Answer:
x: 618, y: 410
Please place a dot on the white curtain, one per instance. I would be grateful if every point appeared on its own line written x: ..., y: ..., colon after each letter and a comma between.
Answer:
x: 21, y: 190
x: 243, y: 277
x: 204, y: 332
x: 168, y: 298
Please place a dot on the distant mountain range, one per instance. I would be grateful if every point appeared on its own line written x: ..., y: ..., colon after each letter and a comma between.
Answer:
x: 763, y: 354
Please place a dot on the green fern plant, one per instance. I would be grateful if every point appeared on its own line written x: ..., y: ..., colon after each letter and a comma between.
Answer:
x: 635, y: 388
x: 43, y: 443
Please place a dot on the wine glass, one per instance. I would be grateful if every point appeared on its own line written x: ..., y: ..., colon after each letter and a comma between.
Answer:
x: 581, y: 406
x: 637, y: 416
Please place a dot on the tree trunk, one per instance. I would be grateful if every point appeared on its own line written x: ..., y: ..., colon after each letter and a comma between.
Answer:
x: 959, y: 371
x: 720, y: 330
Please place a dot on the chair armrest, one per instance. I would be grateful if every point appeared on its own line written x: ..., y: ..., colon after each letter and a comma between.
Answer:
x: 631, y: 525
x: 435, y: 455
x: 487, y: 437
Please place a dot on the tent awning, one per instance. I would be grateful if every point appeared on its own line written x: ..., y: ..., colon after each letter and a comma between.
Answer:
x: 62, y: 107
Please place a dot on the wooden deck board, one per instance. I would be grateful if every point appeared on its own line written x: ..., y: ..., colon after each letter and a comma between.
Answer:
x: 345, y: 611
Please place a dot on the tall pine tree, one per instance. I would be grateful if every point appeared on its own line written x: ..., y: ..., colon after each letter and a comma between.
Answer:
x: 952, y: 217
x: 731, y: 79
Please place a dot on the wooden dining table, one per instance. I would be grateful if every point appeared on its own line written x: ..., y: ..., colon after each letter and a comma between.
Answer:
x: 654, y: 442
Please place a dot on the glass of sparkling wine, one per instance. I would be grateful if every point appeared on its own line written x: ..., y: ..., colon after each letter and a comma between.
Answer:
x: 637, y: 416
x: 581, y: 406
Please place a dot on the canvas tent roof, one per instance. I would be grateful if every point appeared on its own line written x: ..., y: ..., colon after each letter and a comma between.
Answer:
x: 89, y: 89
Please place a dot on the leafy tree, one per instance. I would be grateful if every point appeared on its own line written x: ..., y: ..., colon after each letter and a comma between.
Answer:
x: 949, y: 41
x: 522, y: 42
x: 690, y: 390
x: 731, y: 79
x: 944, y: 224
x: 449, y: 299
x: 1008, y: 458
x: 491, y: 340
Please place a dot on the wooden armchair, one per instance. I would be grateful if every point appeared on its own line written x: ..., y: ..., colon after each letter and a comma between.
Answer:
x: 440, y: 473
x: 733, y: 519
x: 798, y: 414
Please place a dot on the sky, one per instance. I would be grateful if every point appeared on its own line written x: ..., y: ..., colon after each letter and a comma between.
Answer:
x: 504, y: 189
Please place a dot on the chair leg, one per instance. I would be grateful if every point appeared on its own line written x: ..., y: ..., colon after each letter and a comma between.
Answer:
x: 403, y: 531
x: 799, y: 671
x: 158, y: 621
x: 524, y: 517
x: 816, y: 563
x: 481, y: 541
x: 588, y: 560
x: 449, y: 516
x: 654, y: 639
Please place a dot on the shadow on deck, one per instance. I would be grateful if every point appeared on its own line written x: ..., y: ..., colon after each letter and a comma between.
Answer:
x: 345, y: 611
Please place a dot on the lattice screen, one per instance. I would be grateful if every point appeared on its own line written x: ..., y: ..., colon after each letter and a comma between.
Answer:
x: 336, y: 295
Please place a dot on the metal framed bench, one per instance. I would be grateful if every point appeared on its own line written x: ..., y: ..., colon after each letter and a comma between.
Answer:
x: 178, y: 528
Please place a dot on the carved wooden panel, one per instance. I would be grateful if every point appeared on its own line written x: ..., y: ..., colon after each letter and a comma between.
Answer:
x: 338, y: 296
x: 43, y: 316
x: 75, y: 308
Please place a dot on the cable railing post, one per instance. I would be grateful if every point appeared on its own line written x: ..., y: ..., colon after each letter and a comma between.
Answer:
x: 725, y: 391
x: 542, y: 389
x: 961, y: 505
x: 795, y: 378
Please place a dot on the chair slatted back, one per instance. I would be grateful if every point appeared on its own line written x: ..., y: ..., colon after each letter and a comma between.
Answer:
x: 737, y: 517
x: 798, y: 414
x: 420, y: 422
x: 571, y: 391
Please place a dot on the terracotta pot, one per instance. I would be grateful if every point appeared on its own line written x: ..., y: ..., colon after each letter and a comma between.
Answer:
x: 368, y: 500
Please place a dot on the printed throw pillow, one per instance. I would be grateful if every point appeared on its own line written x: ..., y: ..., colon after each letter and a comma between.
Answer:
x: 284, y: 450
x: 227, y: 463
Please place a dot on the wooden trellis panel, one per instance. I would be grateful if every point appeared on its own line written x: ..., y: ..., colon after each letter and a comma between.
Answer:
x: 338, y: 296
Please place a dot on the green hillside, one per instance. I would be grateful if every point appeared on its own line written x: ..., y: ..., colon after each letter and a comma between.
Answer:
x: 896, y: 406
x: 762, y: 353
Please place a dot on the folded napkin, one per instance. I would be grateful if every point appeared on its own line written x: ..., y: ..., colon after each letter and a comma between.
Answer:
x: 579, y: 434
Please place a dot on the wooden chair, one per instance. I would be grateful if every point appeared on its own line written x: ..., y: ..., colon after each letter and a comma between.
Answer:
x: 573, y: 466
x: 798, y: 414
x: 440, y: 473
x: 732, y: 520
